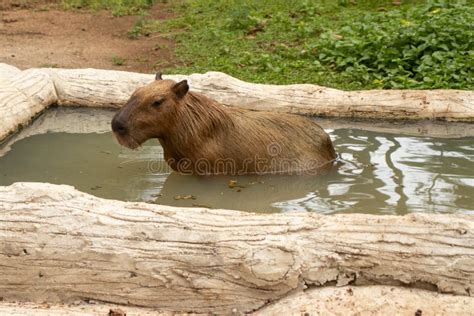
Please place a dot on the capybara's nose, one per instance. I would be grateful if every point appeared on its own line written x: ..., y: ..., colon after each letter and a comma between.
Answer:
x: 118, y: 126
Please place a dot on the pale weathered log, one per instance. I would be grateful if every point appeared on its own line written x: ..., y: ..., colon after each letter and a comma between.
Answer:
x: 370, y: 300
x: 24, y: 94
x: 60, y: 245
x: 330, y: 300
x: 93, y: 87
x: 79, y: 308
x: 7, y: 72
x: 22, y: 97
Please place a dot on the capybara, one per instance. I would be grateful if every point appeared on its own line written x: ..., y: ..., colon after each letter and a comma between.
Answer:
x: 201, y: 136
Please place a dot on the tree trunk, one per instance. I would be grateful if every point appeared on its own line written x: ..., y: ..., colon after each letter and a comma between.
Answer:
x: 369, y: 300
x: 24, y: 94
x: 60, y: 245
x: 346, y: 300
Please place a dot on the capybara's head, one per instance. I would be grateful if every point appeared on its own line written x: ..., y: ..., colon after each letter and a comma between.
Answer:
x: 149, y: 112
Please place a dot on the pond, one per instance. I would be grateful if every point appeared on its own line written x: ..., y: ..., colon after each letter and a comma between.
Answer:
x: 385, y: 168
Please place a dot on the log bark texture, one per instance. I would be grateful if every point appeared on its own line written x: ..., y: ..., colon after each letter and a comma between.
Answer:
x: 24, y: 94
x: 369, y: 300
x: 346, y: 300
x: 60, y: 245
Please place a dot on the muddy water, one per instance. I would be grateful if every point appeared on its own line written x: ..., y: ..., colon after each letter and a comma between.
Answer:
x: 381, y: 173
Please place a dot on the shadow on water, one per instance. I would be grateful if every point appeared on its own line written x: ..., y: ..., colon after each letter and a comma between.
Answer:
x: 380, y: 173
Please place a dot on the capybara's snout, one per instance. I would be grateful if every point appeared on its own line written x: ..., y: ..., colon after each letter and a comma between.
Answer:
x: 119, y: 125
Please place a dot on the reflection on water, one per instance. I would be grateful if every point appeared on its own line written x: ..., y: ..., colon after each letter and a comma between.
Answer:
x: 379, y: 173
x: 399, y: 174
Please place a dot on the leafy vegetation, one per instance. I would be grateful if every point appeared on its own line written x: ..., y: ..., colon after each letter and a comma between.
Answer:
x: 344, y: 44
x: 423, y: 47
x: 371, y: 44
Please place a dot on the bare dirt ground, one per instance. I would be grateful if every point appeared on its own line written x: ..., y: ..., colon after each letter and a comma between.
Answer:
x: 37, y: 33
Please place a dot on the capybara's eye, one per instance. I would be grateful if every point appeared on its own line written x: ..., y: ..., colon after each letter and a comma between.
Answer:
x: 157, y: 103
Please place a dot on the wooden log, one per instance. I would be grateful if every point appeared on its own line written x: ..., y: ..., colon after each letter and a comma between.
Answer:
x: 307, y: 99
x: 369, y: 300
x: 7, y: 72
x: 78, y: 308
x: 93, y: 87
x: 24, y: 94
x: 346, y: 300
x: 60, y: 245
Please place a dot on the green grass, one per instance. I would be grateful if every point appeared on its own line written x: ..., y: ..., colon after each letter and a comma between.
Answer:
x: 370, y: 44
x: 118, y: 61
x: 346, y: 44
x: 118, y: 7
x: 138, y: 28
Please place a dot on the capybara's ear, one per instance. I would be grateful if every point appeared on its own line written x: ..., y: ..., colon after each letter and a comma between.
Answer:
x: 158, y: 76
x: 180, y: 88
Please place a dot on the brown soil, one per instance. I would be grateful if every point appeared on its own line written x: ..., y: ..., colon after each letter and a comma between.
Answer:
x: 36, y: 33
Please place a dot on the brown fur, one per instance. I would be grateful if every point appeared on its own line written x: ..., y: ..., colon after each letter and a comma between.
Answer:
x: 200, y: 135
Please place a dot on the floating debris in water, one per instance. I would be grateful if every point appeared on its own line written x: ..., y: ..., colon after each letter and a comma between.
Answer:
x: 184, y: 197
x: 232, y: 184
